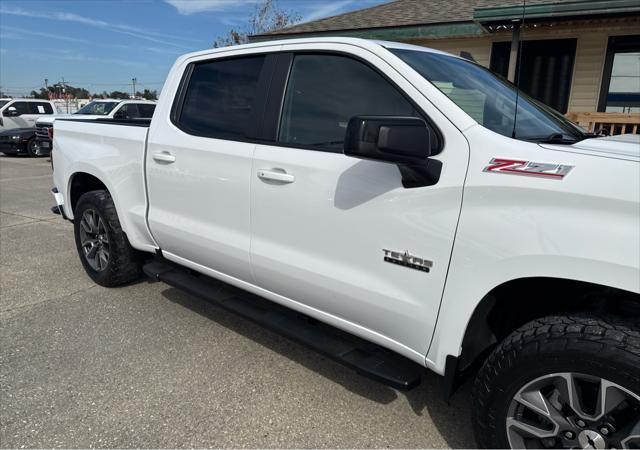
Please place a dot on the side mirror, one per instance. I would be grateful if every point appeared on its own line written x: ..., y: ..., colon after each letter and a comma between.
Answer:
x: 393, y: 139
x: 120, y: 115
x: 11, y: 111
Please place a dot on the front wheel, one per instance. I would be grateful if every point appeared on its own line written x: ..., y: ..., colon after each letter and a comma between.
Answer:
x: 562, y: 382
x: 33, y: 149
x: 104, y: 249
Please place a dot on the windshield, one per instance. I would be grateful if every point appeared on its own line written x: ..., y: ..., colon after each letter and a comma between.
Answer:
x: 491, y: 100
x: 3, y: 102
x: 97, y: 108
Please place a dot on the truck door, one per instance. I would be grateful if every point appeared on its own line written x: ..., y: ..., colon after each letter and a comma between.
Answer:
x: 199, y: 166
x: 330, y: 231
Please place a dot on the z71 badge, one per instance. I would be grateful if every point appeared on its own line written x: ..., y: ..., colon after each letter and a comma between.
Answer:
x: 528, y: 168
x: 406, y: 259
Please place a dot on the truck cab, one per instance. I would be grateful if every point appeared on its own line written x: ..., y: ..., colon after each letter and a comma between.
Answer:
x: 23, y: 112
x: 394, y: 207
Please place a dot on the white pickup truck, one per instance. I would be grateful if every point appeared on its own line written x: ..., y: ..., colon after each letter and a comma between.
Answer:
x: 384, y: 204
x: 21, y: 113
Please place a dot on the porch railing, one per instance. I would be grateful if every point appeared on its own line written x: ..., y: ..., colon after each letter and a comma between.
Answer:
x: 613, y: 123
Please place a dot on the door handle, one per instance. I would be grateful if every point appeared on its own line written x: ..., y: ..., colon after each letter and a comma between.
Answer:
x: 165, y: 157
x: 279, y: 175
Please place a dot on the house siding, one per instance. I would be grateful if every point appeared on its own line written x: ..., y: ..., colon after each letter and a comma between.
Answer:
x: 480, y: 48
x: 589, y: 62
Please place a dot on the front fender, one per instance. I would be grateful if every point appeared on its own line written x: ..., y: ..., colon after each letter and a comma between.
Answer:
x: 584, y: 227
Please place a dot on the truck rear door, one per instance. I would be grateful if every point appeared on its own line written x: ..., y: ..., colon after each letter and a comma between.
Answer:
x: 199, y: 165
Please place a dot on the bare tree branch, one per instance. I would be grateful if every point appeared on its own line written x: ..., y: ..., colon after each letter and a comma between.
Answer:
x: 266, y: 17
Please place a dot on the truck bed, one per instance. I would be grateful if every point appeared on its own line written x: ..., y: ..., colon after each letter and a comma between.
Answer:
x: 112, y: 151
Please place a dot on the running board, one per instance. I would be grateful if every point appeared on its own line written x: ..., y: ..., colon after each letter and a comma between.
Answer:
x: 367, y: 359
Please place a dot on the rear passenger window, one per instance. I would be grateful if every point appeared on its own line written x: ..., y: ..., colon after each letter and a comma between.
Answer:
x: 325, y: 91
x: 130, y: 111
x: 40, y: 108
x: 146, y: 111
x: 219, y: 97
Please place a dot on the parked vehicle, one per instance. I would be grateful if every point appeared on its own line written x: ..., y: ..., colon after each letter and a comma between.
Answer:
x: 23, y: 112
x: 19, y: 141
x: 390, y: 192
x: 97, y: 109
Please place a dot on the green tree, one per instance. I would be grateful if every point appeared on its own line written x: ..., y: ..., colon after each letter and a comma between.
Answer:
x: 36, y: 94
x: 119, y: 95
x: 56, y: 91
x: 148, y: 95
x: 267, y: 16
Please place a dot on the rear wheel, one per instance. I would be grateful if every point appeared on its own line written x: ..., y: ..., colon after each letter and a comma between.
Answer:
x: 33, y: 149
x: 562, y: 382
x: 103, y: 247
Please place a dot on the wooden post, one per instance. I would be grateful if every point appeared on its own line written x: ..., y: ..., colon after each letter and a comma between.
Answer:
x: 513, y: 55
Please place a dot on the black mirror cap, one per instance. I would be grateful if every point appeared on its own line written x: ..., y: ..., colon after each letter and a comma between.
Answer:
x: 393, y: 139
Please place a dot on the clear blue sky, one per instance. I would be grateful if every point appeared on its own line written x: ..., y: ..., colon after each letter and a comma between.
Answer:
x: 102, y: 44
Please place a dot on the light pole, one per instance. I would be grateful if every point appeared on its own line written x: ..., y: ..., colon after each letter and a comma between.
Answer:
x: 64, y: 94
x: 133, y: 82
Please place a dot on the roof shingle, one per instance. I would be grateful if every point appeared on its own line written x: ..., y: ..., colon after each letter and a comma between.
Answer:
x: 400, y: 13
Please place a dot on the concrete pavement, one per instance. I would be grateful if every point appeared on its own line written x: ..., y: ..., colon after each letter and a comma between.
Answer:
x: 148, y: 366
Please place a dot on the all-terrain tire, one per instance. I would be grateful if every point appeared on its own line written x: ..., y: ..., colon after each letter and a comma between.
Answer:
x: 124, y: 262
x: 602, y: 346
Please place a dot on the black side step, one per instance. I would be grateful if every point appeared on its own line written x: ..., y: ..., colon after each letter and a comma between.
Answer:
x: 367, y: 359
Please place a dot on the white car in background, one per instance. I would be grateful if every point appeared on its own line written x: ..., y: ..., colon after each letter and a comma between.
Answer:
x: 23, y: 112
x: 96, y: 110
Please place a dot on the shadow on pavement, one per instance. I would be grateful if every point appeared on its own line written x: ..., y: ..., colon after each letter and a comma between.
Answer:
x: 451, y: 419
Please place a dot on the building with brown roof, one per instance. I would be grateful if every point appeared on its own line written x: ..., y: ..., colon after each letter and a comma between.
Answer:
x: 576, y: 56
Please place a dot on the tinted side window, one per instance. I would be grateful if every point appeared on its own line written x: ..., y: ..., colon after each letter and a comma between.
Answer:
x: 40, y: 108
x: 22, y: 107
x: 325, y: 91
x: 146, y: 111
x: 219, y: 97
x: 130, y: 111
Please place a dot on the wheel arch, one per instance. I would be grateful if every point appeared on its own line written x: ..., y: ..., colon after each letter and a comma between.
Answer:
x: 81, y: 183
x: 497, y: 315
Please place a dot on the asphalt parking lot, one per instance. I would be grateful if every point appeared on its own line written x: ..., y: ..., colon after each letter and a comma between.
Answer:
x: 148, y: 366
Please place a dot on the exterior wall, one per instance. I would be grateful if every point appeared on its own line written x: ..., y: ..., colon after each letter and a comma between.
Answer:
x: 590, y: 53
x: 70, y: 106
x: 479, y: 47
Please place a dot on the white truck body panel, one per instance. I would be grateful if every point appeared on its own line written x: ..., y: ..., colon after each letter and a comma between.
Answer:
x: 515, y: 227
x: 210, y: 172
x: 316, y: 245
x: 114, y: 155
x: 624, y: 146
x: 316, y: 254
